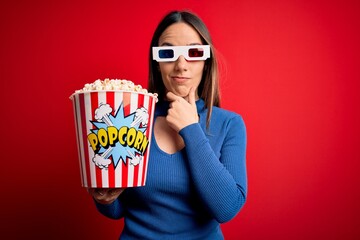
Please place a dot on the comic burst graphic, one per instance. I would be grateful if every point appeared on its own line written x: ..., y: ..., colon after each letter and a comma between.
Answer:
x: 137, y: 120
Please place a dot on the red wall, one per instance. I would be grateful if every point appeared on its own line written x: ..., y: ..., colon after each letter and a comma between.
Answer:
x: 291, y: 68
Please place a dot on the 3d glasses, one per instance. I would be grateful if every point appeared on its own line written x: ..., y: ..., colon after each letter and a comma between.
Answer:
x: 172, y: 53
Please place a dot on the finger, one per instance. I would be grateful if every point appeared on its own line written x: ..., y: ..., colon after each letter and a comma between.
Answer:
x: 116, y: 191
x: 171, y: 96
x: 191, y: 96
x: 100, y: 191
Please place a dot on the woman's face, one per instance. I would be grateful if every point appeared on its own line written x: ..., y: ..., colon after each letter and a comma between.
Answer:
x: 181, y: 75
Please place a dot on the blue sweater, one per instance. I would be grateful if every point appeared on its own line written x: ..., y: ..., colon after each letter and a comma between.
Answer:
x: 188, y: 193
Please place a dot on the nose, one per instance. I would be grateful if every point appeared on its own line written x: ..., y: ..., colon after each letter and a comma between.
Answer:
x: 181, y: 63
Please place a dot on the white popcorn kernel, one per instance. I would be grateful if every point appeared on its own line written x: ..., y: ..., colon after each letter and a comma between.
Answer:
x: 108, y: 87
x: 115, y: 84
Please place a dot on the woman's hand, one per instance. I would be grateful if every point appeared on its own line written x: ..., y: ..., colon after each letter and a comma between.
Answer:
x: 182, y: 112
x: 105, y: 195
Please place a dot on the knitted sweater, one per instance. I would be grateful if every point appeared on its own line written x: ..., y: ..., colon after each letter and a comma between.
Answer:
x: 189, y: 193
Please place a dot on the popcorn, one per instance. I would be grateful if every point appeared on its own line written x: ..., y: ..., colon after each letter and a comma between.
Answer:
x: 113, y: 121
x: 114, y: 84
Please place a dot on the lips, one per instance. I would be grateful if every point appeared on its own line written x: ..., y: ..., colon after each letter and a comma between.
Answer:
x: 179, y: 79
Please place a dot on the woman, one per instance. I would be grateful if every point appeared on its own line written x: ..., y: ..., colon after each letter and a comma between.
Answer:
x: 197, y: 172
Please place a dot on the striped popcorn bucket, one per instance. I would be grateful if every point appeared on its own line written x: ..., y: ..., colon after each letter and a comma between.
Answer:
x: 113, y: 131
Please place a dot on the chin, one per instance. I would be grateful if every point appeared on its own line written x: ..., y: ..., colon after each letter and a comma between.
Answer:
x: 182, y: 92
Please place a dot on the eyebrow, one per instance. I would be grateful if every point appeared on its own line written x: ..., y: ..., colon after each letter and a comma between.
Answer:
x: 169, y: 44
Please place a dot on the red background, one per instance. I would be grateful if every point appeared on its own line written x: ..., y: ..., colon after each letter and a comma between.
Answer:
x: 290, y: 68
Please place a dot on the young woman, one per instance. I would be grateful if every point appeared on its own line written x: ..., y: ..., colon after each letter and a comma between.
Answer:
x: 197, y: 170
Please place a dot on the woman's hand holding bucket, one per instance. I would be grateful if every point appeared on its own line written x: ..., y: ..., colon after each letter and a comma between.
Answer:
x: 105, y: 195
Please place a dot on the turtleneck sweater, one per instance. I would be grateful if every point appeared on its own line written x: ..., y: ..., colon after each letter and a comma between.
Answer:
x: 189, y: 193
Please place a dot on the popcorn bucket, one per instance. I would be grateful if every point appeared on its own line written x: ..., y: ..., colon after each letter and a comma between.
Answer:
x: 113, y: 131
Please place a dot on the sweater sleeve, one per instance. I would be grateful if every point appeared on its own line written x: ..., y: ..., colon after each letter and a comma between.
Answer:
x: 220, y: 182
x: 113, y: 210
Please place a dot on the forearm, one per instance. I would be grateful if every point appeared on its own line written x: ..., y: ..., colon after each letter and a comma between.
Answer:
x: 221, y: 183
x: 113, y: 210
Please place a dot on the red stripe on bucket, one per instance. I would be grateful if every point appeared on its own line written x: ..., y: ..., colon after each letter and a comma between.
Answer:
x: 84, y: 137
x: 78, y: 137
x: 137, y: 182
x: 148, y: 135
x: 124, y: 172
x: 126, y: 102
x: 125, y: 166
x: 111, y: 170
x: 94, y: 106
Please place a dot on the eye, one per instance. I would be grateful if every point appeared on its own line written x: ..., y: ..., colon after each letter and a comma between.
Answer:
x: 196, y: 52
x: 166, y: 53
